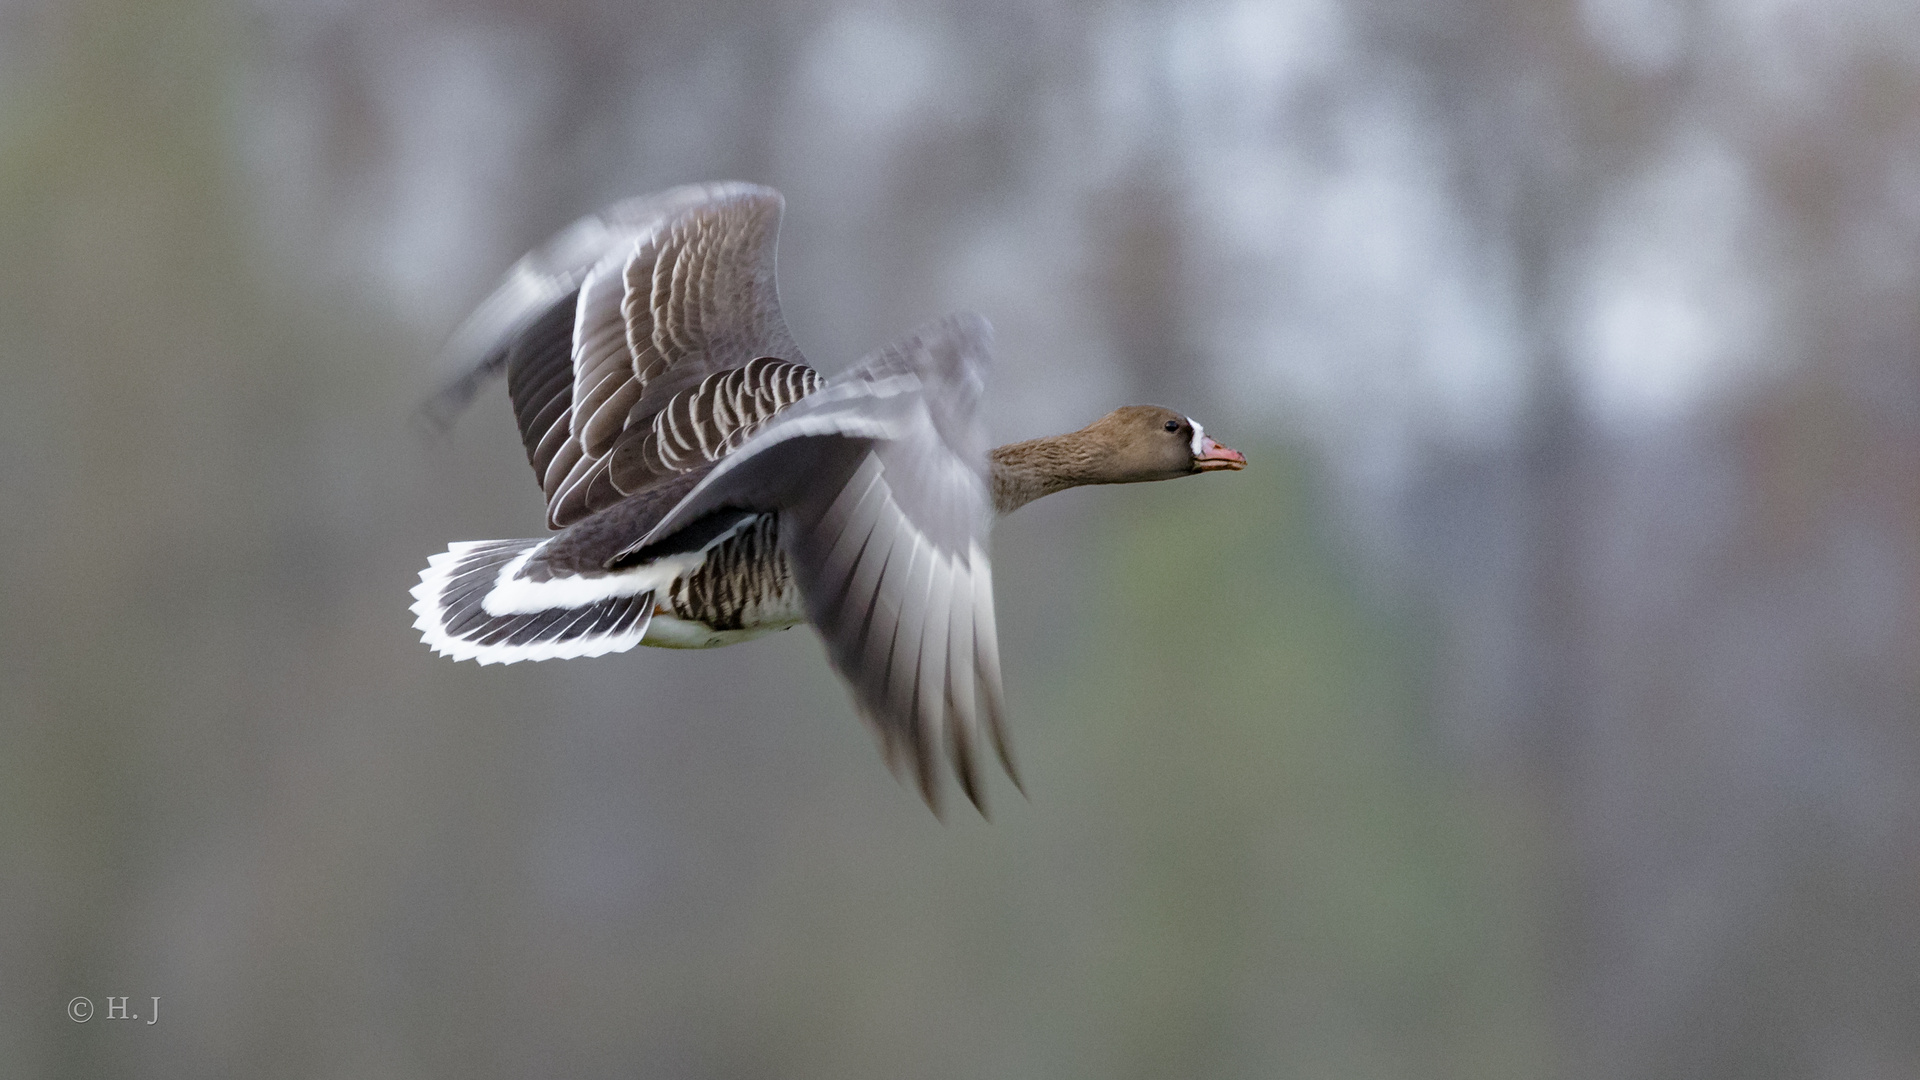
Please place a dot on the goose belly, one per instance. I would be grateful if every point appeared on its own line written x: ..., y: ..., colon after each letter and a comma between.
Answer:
x: 741, y: 590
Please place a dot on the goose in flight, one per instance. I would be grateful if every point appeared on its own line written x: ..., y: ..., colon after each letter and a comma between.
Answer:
x: 707, y: 486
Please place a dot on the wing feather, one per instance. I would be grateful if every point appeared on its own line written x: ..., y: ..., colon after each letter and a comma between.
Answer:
x: 565, y: 457
x: 930, y: 675
x: 906, y: 599
x: 964, y: 728
x: 849, y: 520
x: 602, y: 328
x: 986, y: 664
x: 880, y: 480
x: 602, y: 363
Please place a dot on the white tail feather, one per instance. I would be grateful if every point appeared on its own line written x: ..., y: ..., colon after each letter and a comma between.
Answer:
x: 583, y: 616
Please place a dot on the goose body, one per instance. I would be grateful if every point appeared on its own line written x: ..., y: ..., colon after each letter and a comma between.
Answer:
x: 708, y: 486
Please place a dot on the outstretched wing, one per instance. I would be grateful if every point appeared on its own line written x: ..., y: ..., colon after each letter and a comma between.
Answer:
x: 640, y: 343
x: 880, y: 479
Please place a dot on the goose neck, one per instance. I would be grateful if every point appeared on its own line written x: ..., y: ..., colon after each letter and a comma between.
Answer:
x: 1024, y: 471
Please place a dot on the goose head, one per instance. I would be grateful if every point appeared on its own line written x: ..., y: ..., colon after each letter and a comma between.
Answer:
x: 1131, y: 444
x: 1135, y: 443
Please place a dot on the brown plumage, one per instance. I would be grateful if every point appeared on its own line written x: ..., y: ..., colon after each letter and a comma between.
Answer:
x: 1131, y: 444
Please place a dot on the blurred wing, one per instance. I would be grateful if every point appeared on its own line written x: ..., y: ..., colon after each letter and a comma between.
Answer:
x: 640, y: 343
x: 881, y: 480
x: 545, y: 279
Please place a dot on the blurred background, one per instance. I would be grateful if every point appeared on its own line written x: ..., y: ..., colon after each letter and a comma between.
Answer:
x: 1544, y: 701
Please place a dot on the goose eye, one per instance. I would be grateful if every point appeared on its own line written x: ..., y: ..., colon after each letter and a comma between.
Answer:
x: 1173, y: 425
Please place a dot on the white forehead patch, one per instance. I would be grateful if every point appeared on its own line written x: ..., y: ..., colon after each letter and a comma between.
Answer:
x: 1198, y: 433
